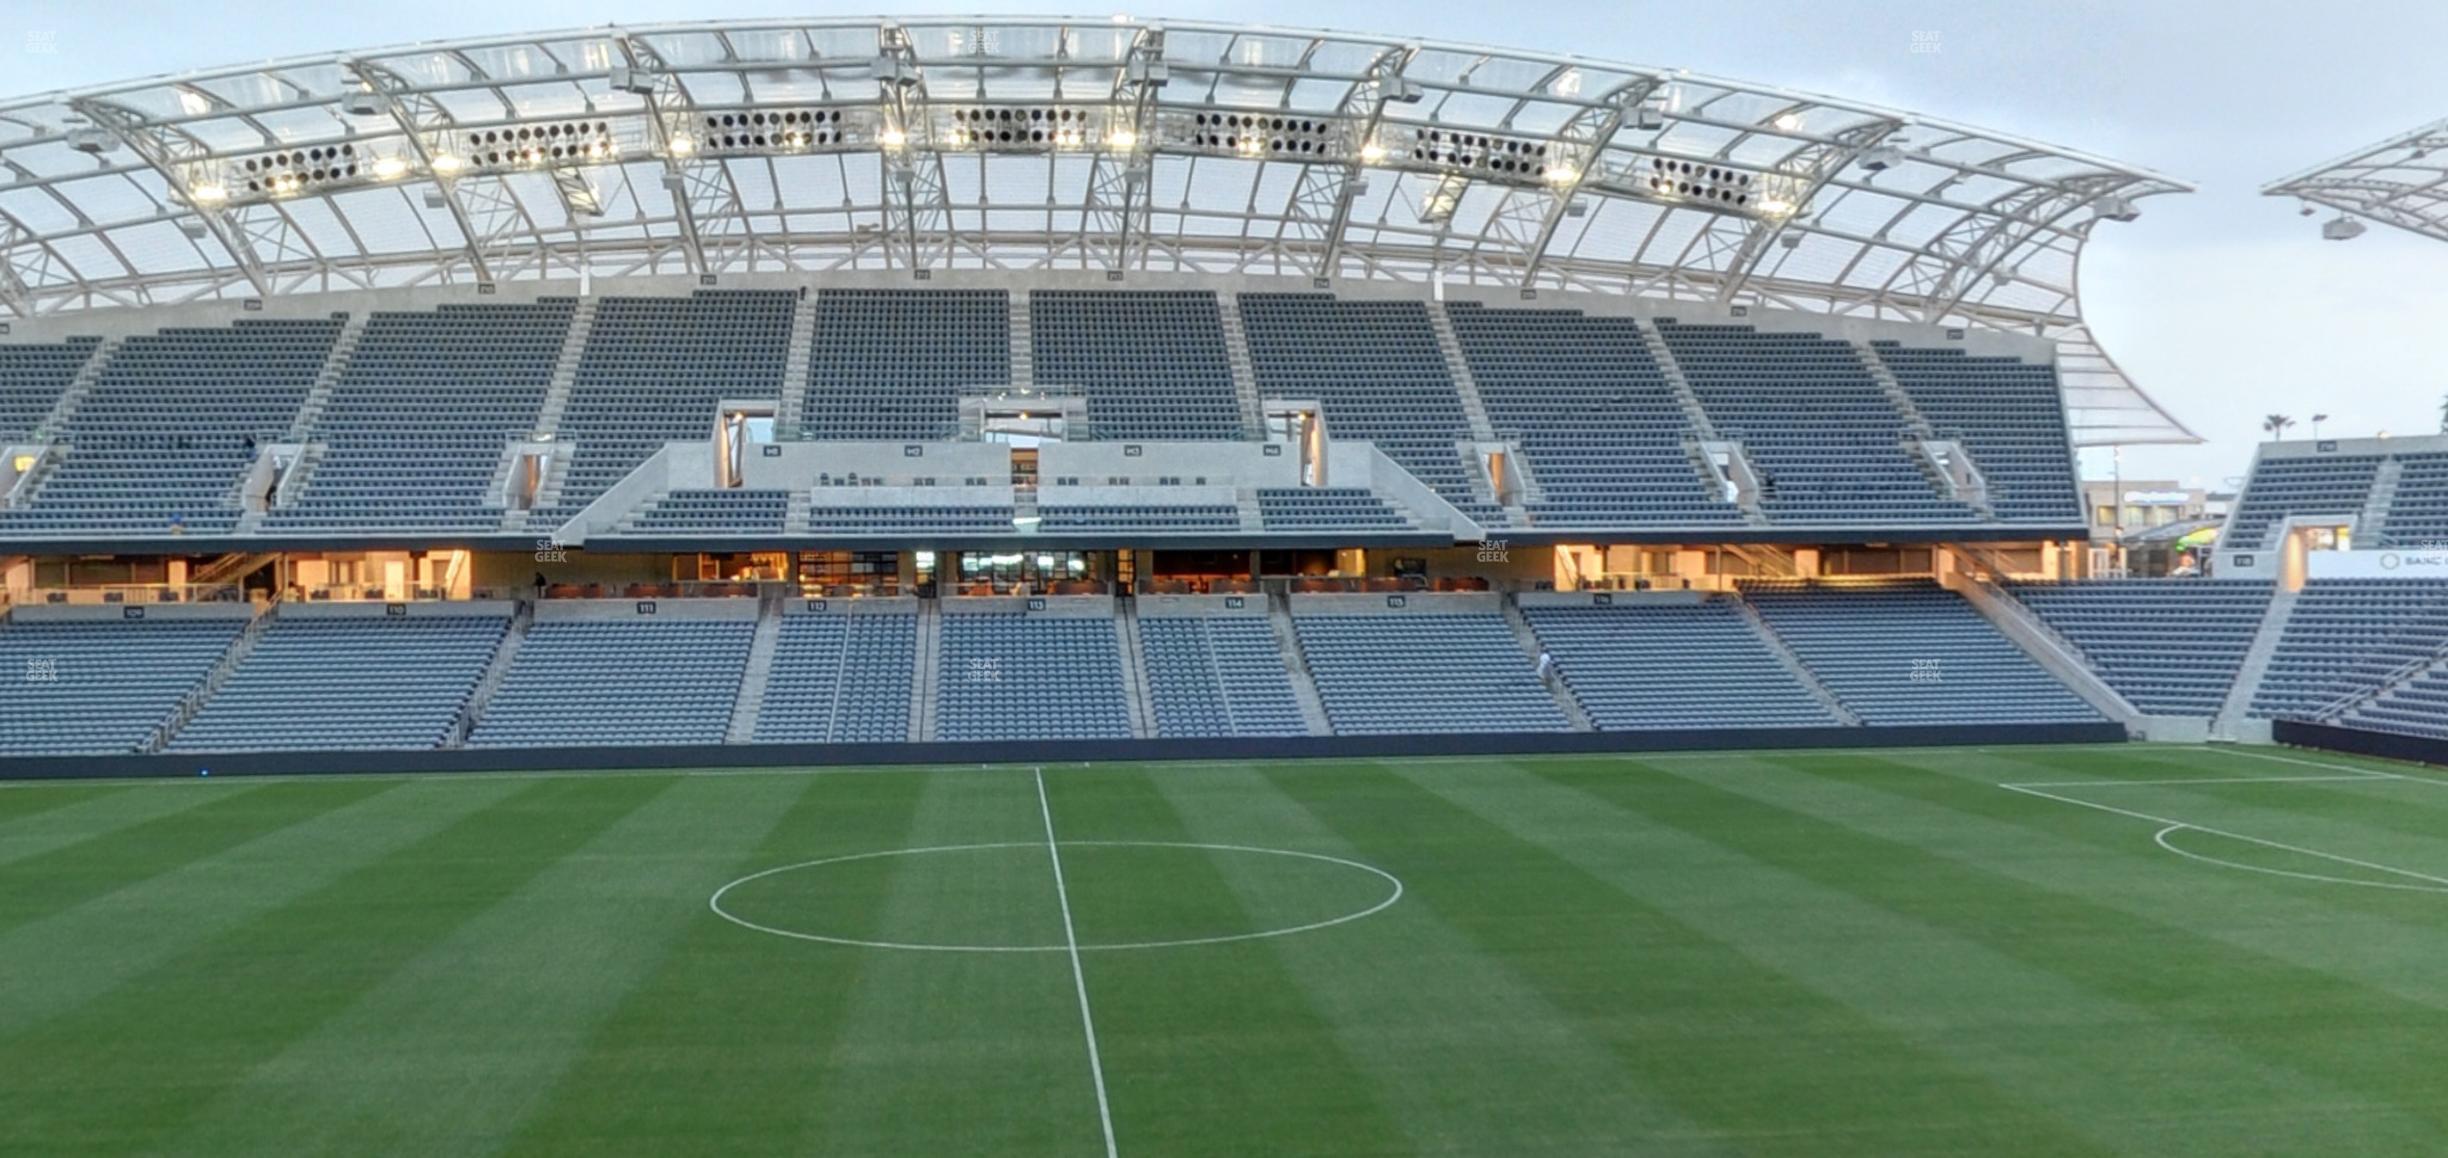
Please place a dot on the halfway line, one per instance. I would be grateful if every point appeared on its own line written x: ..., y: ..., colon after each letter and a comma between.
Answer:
x: 1079, y: 976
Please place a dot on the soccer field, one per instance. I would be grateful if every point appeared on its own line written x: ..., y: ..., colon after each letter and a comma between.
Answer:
x: 2146, y: 951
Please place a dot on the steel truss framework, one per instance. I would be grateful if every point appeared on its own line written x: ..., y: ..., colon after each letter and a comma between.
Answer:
x: 1005, y: 143
x: 2402, y: 181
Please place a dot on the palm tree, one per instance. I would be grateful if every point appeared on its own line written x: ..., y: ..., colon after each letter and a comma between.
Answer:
x: 2277, y: 425
x: 2444, y: 414
x: 2317, y: 419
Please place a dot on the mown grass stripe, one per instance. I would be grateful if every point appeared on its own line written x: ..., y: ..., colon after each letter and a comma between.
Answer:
x: 72, y: 874
x: 1949, y: 960
x: 58, y: 963
x: 1749, y: 1053
x: 943, y: 1053
x: 187, y: 1031
x: 720, y: 1049
x: 1465, y: 1055
x: 512, y: 994
x: 2352, y: 915
x: 2384, y: 1048
x: 17, y: 806
x: 84, y: 817
x: 1193, y: 1037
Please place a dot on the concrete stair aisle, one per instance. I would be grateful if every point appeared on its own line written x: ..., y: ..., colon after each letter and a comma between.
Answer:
x: 1252, y: 517
x: 1134, y: 669
x: 930, y: 666
x: 790, y: 411
x: 1894, y: 390
x: 1296, y: 664
x: 1244, y: 375
x: 2057, y: 655
x: 1458, y: 368
x: 1793, y: 663
x: 495, y: 672
x: 1023, y: 348
x: 55, y: 423
x: 2232, y: 719
x: 203, y: 692
x: 1531, y: 647
x: 751, y: 701
x: 1663, y: 355
x: 31, y: 483
x: 318, y: 398
x: 2374, y: 518
x: 565, y: 368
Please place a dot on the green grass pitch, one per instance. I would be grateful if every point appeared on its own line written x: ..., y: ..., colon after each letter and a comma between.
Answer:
x: 2142, y: 950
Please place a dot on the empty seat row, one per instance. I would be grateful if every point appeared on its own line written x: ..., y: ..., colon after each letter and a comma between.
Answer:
x: 343, y: 683
x: 81, y: 687
x: 1681, y: 664
x: 591, y: 682
x: 2169, y: 646
x: 1463, y: 672
x: 1218, y: 676
x: 1912, y: 652
x: 840, y: 679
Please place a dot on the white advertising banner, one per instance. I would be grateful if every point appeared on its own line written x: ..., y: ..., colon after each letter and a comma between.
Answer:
x: 2430, y: 563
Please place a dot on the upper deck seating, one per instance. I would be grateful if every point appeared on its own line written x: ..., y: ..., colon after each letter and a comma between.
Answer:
x: 33, y: 375
x: 169, y: 430
x: 2330, y: 485
x: 1827, y: 443
x: 2009, y: 413
x: 1153, y: 362
x: 654, y: 371
x: 416, y: 426
x: 1605, y: 436
x: 890, y: 364
x: 2418, y: 510
x: 1376, y: 371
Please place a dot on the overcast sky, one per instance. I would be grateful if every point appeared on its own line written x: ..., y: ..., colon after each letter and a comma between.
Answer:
x: 2223, y: 304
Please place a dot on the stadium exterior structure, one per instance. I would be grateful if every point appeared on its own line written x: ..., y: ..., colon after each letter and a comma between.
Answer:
x: 1125, y: 147
x: 2402, y: 181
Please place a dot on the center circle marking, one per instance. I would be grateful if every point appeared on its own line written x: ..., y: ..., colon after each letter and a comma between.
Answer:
x: 1394, y: 893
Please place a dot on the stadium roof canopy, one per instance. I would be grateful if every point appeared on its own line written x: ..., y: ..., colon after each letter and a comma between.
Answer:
x: 2402, y: 181
x: 1043, y: 143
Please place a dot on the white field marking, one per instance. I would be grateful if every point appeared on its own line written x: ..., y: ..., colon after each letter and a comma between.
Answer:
x: 2162, y: 840
x: 2379, y: 772
x: 1079, y: 976
x: 1395, y: 894
x: 2193, y: 780
x: 2171, y: 822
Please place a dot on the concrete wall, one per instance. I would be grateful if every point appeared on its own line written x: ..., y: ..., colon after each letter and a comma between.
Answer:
x: 1049, y: 606
x: 90, y: 612
x: 1202, y: 606
x: 369, y: 610
x: 795, y: 466
x: 1399, y: 603
x: 565, y: 610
